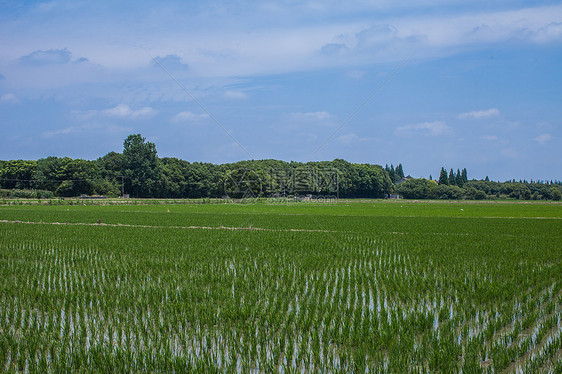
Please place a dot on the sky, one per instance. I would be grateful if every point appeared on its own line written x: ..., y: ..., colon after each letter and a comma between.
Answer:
x: 433, y: 83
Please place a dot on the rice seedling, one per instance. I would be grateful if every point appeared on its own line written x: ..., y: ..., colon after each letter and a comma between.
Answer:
x: 265, y: 289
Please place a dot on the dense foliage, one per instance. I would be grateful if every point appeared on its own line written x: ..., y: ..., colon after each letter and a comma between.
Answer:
x: 355, y: 287
x: 139, y: 172
x: 479, y: 190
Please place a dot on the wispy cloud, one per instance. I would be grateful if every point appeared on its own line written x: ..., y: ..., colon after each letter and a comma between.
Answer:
x: 355, y: 74
x: 331, y: 49
x: 65, y: 131
x: 48, y: 57
x: 171, y: 62
x: 84, y: 115
x: 550, y: 33
x: 9, y: 98
x: 479, y: 114
x: 88, y: 128
x: 294, y: 66
x: 270, y: 45
x: 189, y: 116
x: 351, y: 138
x: 236, y: 95
x: 124, y: 111
x: 543, y: 138
x: 428, y: 128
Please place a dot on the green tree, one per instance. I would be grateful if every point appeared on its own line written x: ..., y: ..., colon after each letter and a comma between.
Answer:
x: 49, y: 173
x: 78, y: 177
x: 111, y: 171
x: 443, y: 179
x: 175, y: 173
x: 17, y: 174
x: 369, y: 181
x: 458, y: 179
x: 399, y: 171
x: 464, y: 176
x: 416, y: 189
x: 446, y: 192
x: 141, y: 167
x: 452, y: 179
x: 516, y: 190
x: 555, y: 193
x: 203, y: 180
x: 111, y: 165
x: 68, y: 177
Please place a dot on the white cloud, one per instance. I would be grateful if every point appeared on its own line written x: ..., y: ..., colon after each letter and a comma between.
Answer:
x: 350, y: 138
x: 84, y: 115
x: 265, y: 42
x: 124, y: 111
x: 189, y: 116
x: 543, y: 138
x: 237, y: 95
x: 331, y: 49
x: 315, y: 116
x: 464, y: 30
x: 9, y: 98
x: 171, y: 62
x: 550, y: 33
x: 65, y: 131
x: 347, y: 139
x: 48, y: 57
x: 429, y: 128
x: 355, y: 74
x: 88, y: 128
x: 478, y: 114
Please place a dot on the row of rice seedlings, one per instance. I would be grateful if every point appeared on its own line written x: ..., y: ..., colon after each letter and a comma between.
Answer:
x: 151, y: 301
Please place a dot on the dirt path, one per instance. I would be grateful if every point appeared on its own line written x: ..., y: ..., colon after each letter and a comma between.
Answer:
x: 250, y: 228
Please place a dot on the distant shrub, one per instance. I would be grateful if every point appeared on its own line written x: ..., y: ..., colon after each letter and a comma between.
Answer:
x: 27, y: 194
x: 555, y: 193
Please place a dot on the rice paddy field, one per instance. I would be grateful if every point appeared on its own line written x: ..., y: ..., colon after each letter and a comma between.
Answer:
x: 354, y: 286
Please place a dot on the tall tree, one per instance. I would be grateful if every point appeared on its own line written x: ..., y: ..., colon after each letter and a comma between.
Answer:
x: 452, y: 180
x: 399, y: 171
x: 464, y: 176
x: 458, y: 178
x: 443, y: 179
x: 141, y: 167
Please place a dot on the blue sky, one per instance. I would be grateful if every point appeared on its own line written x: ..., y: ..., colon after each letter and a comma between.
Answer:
x: 429, y: 83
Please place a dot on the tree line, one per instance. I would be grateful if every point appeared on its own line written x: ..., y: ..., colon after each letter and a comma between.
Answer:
x: 139, y: 172
x: 479, y: 190
x: 458, y: 179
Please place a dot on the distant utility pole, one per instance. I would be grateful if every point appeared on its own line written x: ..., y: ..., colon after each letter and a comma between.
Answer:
x: 122, y: 186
